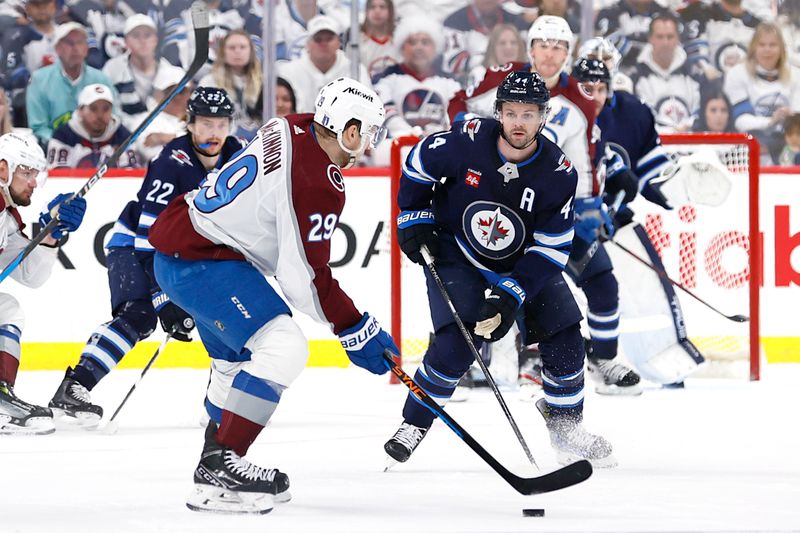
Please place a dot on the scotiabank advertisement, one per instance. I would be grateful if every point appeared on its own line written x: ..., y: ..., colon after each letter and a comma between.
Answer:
x: 706, y: 249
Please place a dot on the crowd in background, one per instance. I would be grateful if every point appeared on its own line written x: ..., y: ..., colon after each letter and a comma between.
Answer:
x: 81, y: 74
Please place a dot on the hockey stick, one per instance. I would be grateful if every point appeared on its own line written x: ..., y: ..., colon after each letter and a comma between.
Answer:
x: 468, y: 338
x: 200, y: 22
x: 564, y: 477
x: 664, y: 276
x: 113, y: 425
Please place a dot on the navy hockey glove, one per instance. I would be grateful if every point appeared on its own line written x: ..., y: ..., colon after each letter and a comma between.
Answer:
x: 70, y: 214
x: 365, y: 343
x: 173, y: 319
x: 499, y: 310
x: 592, y: 220
x: 414, y: 229
x: 620, y: 178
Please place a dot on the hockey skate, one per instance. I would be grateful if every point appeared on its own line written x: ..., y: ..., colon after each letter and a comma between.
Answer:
x: 226, y: 483
x: 18, y: 417
x: 572, y: 442
x: 73, y: 406
x: 613, y: 378
x: 403, y: 443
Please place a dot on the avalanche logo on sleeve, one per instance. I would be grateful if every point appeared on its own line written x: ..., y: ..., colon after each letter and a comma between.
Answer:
x: 335, y: 177
x: 493, y: 230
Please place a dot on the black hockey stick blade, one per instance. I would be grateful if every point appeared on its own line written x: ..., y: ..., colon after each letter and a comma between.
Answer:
x: 559, y: 479
x: 200, y: 23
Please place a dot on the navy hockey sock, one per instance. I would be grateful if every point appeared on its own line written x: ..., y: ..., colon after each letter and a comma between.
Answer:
x: 438, y: 385
x: 562, y: 375
x: 602, y: 295
x: 106, y: 347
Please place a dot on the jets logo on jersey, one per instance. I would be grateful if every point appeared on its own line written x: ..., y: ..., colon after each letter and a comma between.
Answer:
x: 335, y: 177
x: 672, y: 110
x: 564, y: 164
x: 422, y: 107
x: 729, y: 55
x: 181, y: 157
x: 766, y: 104
x: 493, y: 230
x: 471, y: 127
x: 473, y: 178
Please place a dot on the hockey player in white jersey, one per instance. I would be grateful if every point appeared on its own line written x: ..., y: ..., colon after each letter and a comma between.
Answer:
x: 22, y: 167
x: 271, y: 211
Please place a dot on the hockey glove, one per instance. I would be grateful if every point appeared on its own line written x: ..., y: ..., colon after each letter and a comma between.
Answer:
x: 499, y: 310
x: 620, y: 178
x: 592, y: 220
x: 174, y: 320
x: 70, y: 214
x: 414, y: 229
x: 365, y: 343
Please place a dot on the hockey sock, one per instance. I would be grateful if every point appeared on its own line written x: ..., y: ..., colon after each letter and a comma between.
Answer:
x: 9, y: 352
x: 105, y: 349
x: 250, y: 404
x: 562, y: 373
x: 438, y: 385
x: 602, y: 295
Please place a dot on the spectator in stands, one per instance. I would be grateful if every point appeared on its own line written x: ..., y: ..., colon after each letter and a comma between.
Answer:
x: 378, y: 49
x: 789, y: 22
x: 91, y: 135
x: 790, y: 155
x: 285, y: 103
x: 715, y: 112
x: 569, y: 11
x: 12, y: 12
x: 105, y: 21
x: 25, y: 49
x: 762, y: 92
x: 171, y: 122
x: 133, y: 73
x: 5, y: 113
x: 238, y: 71
x: 292, y: 32
x: 53, y: 93
x: 715, y: 35
x: 662, y: 78
x: 323, y: 61
x: 625, y: 23
x: 505, y: 45
x: 466, y: 34
x: 415, y: 92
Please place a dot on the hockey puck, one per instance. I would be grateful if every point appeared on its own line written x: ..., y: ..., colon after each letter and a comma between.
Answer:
x: 533, y: 512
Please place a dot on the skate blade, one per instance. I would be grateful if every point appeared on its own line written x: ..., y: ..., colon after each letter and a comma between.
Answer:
x: 33, y: 426
x: 208, y: 499
x: 390, y: 463
x: 567, y: 458
x: 66, y: 420
x: 615, y: 390
x: 282, y: 497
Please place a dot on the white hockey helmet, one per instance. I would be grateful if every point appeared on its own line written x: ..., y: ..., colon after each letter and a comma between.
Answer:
x: 22, y: 150
x: 603, y: 49
x: 550, y: 28
x: 345, y: 99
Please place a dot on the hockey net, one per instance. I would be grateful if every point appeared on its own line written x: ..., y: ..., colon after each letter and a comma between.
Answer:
x: 710, y: 250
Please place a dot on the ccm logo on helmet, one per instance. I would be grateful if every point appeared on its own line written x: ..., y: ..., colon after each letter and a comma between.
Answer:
x: 353, y: 90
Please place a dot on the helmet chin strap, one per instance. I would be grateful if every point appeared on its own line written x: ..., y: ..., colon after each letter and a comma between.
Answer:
x: 353, y: 155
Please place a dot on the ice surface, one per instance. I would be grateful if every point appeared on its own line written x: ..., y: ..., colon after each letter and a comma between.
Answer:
x: 721, y: 455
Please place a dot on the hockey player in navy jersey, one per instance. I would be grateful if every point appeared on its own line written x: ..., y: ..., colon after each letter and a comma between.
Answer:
x: 502, y: 221
x: 271, y: 211
x: 137, y: 302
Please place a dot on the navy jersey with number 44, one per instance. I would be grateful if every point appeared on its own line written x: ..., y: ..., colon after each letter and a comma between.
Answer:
x: 508, y: 219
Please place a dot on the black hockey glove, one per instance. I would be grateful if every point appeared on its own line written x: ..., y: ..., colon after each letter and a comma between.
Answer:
x: 620, y: 178
x: 174, y: 320
x: 415, y: 229
x: 499, y: 310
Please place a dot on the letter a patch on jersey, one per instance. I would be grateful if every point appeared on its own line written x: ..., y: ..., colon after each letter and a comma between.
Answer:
x: 473, y: 178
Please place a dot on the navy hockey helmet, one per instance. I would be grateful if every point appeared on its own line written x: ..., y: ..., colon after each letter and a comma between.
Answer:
x: 209, y: 102
x: 523, y: 87
x: 591, y: 71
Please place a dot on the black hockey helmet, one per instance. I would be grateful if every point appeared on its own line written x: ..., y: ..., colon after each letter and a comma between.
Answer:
x: 524, y: 87
x: 209, y: 102
x: 588, y: 70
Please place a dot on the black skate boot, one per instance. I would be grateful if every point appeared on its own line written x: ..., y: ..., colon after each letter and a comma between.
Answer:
x: 403, y: 443
x: 72, y: 404
x: 613, y: 378
x: 224, y: 482
x: 18, y: 417
x: 572, y: 442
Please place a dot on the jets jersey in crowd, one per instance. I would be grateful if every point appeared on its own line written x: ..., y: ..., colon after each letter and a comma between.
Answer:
x: 627, y: 27
x: 466, y: 36
x: 672, y: 92
x: 25, y: 50
x: 411, y: 101
x: 71, y: 145
x: 378, y: 54
x: 629, y: 129
x: 712, y: 36
x: 174, y: 172
x: 507, y: 219
x: 275, y: 205
x: 133, y: 90
x: 570, y: 125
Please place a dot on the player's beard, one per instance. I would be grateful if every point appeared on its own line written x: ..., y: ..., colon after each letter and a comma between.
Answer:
x: 520, y: 144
